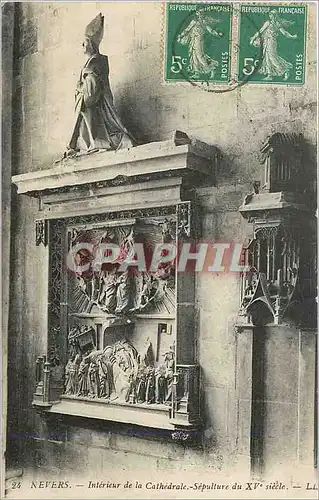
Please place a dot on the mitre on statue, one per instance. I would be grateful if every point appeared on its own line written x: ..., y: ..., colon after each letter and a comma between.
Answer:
x: 95, y: 29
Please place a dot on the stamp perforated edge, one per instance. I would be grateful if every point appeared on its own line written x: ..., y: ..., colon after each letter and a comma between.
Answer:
x: 278, y: 4
x: 234, y: 44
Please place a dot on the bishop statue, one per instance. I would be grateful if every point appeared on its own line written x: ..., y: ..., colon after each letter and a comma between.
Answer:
x: 97, y: 124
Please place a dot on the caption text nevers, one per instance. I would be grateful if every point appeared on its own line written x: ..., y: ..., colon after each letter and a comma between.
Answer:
x: 160, y: 485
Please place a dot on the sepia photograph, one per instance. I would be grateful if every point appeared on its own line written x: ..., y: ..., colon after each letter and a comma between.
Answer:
x: 159, y: 249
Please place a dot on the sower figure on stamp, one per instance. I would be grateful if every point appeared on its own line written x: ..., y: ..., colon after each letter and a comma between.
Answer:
x: 273, y: 64
x: 97, y: 123
x: 193, y: 36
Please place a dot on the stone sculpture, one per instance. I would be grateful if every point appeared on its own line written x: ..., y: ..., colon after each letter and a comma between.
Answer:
x: 150, y: 386
x: 83, y: 378
x: 160, y: 384
x: 118, y: 372
x: 97, y: 124
x: 121, y: 292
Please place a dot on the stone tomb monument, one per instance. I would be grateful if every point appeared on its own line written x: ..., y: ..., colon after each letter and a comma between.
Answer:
x: 120, y: 340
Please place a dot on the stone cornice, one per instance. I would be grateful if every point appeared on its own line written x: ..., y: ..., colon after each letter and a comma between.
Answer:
x: 158, y: 159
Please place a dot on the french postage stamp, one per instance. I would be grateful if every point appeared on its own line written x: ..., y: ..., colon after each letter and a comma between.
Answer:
x: 198, y: 42
x: 272, y: 47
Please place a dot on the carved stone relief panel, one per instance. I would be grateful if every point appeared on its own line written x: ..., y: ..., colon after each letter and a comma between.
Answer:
x: 116, y: 326
x: 116, y: 297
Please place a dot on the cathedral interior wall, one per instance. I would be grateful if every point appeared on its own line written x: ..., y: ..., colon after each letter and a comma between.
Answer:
x: 47, y: 56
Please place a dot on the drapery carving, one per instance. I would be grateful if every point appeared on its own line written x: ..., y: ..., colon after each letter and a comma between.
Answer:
x: 92, y: 310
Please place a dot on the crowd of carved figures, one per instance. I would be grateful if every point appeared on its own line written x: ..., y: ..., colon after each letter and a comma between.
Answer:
x: 117, y: 372
x: 115, y: 291
x: 123, y: 292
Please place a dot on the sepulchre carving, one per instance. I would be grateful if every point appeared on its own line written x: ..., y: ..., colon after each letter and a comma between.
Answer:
x: 118, y: 371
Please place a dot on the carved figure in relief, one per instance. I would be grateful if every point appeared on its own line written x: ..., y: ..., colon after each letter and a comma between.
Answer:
x: 83, y: 377
x: 93, y: 380
x: 150, y: 385
x: 107, y: 297
x: 167, y: 232
x: 137, y: 290
x: 127, y: 248
x: 251, y: 279
x: 71, y: 375
x: 72, y: 343
x: 131, y: 393
x: 118, y: 371
x: 97, y: 124
x: 272, y: 63
x: 118, y: 291
x: 141, y: 385
x: 169, y: 372
x: 193, y: 36
x: 147, y: 356
x: 105, y: 377
x: 146, y: 290
x: 160, y: 384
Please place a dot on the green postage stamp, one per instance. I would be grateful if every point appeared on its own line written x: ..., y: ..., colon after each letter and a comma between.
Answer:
x: 272, y: 43
x: 224, y: 43
x: 198, y: 42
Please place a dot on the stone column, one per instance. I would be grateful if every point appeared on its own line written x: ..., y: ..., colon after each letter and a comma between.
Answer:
x: 244, y: 385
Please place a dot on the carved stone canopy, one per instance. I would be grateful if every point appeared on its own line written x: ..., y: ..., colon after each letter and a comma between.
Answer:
x: 283, y: 181
x: 282, y: 159
x: 279, y: 286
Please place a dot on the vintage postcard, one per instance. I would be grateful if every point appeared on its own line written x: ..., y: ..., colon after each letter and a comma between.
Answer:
x: 159, y: 242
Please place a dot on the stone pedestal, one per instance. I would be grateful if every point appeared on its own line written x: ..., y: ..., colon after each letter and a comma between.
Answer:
x: 276, y: 398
